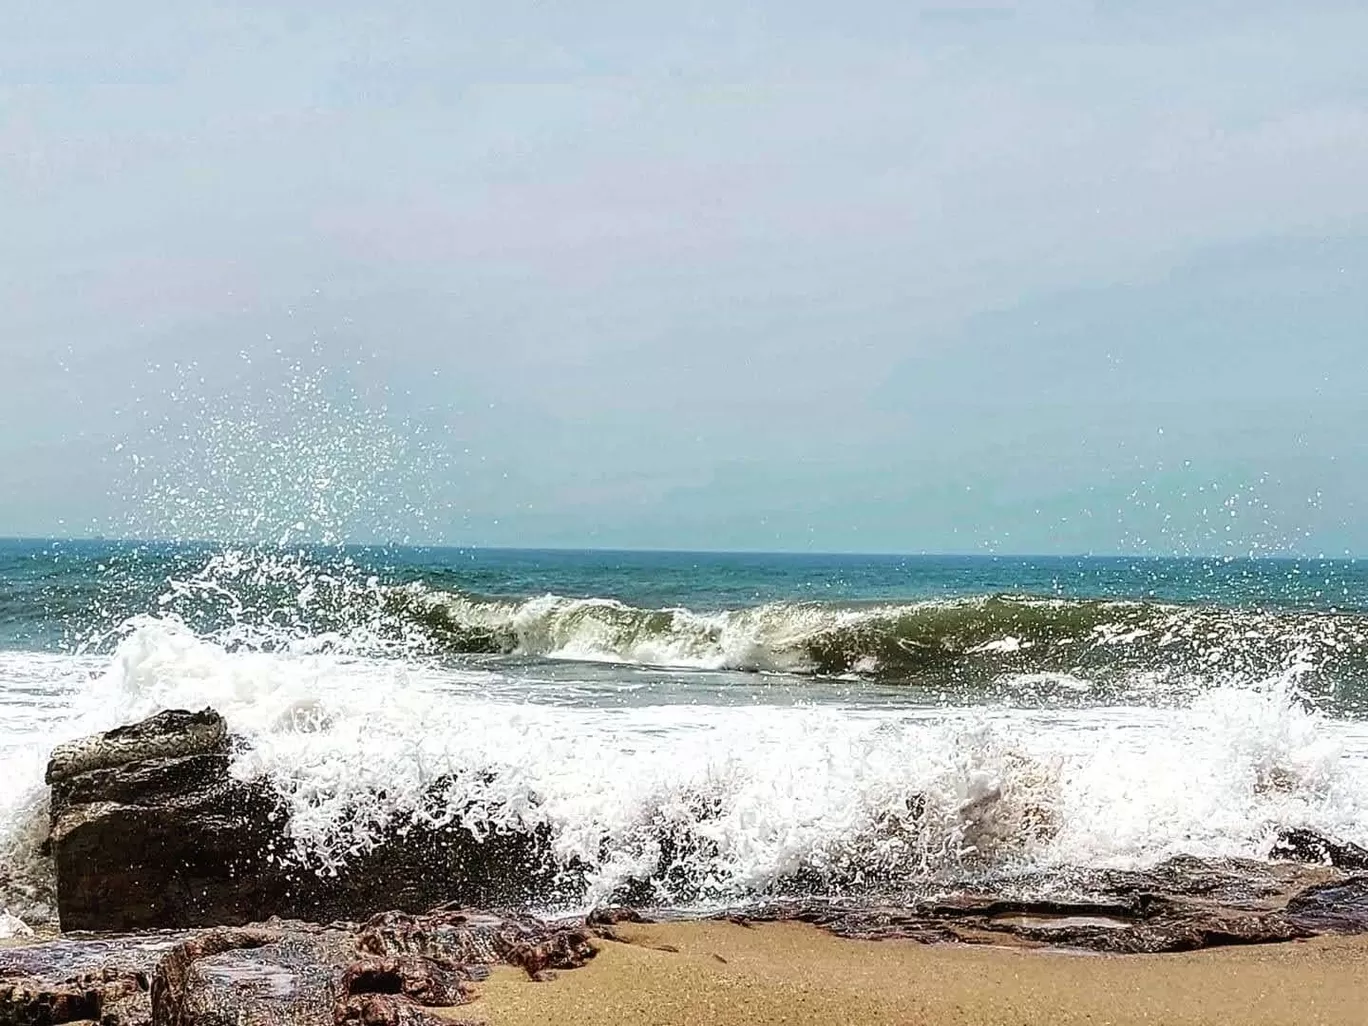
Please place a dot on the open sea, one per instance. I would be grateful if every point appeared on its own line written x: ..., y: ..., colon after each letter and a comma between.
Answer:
x: 717, y: 726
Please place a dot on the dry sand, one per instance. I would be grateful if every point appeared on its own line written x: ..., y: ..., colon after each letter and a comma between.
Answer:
x: 790, y: 973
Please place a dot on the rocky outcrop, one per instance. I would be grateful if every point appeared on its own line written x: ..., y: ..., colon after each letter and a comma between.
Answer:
x: 1340, y: 906
x: 151, y: 830
x: 393, y: 970
x: 1181, y: 905
x: 72, y: 980
x: 253, y: 976
x: 400, y: 969
x: 478, y: 939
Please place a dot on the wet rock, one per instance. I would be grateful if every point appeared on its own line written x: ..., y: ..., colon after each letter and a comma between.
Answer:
x: 394, y: 991
x: 167, y: 735
x: 418, y: 866
x: 393, y: 970
x: 383, y: 1010
x: 1337, y: 907
x: 424, y: 980
x: 150, y: 829
x: 478, y: 939
x: 70, y: 980
x: 611, y: 915
x: 253, y: 976
x: 1309, y: 846
x: 1181, y: 905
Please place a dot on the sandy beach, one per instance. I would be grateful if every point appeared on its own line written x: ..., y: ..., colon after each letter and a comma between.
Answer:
x: 691, y: 973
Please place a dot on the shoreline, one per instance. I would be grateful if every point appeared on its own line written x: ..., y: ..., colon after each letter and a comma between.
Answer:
x: 664, y: 974
x: 671, y: 973
x: 172, y: 904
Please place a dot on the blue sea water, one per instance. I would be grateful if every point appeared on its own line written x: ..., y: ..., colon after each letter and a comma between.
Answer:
x: 51, y: 592
x: 1047, y: 712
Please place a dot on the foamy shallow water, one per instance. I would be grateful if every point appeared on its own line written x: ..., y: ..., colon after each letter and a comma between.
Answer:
x: 779, y: 776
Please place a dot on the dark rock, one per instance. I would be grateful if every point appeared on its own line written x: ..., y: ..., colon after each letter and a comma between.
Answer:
x: 280, y: 972
x: 167, y: 735
x: 419, y: 866
x: 611, y: 915
x: 150, y: 830
x: 1338, y: 907
x: 1181, y: 905
x: 265, y: 975
x: 69, y: 980
x: 1309, y: 846
x: 479, y: 939
x: 383, y: 1010
x: 424, y: 980
x: 393, y: 991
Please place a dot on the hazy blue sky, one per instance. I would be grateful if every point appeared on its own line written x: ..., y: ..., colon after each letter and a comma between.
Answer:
x: 1051, y: 276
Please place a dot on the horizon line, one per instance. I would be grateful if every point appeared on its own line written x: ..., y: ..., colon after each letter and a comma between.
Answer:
x: 870, y: 553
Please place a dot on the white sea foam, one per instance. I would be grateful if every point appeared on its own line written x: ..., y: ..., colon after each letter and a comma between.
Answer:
x: 764, y: 791
x: 889, y: 640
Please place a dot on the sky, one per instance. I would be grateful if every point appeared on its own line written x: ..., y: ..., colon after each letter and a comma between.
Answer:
x: 1041, y: 277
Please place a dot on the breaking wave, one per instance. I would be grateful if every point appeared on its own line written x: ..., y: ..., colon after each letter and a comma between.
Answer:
x: 687, y: 803
x: 940, y: 641
x: 277, y: 600
x: 1166, y: 729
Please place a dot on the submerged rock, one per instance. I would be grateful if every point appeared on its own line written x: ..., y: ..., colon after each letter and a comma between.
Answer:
x: 150, y: 829
x: 1309, y: 846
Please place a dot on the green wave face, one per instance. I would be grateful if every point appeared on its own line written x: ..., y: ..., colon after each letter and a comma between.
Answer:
x: 933, y: 643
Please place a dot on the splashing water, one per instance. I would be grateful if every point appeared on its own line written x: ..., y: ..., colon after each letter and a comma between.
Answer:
x: 300, y: 459
x: 672, y: 743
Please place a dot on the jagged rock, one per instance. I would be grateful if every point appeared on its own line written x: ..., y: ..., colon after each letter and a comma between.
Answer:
x: 383, y: 1010
x: 1309, y: 846
x: 424, y: 980
x: 280, y: 972
x: 166, y: 735
x: 1337, y: 907
x: 69, y: 980
x: 393, y: 991
x: 397, y: 968
x: 150, y: 829
x: 254, y: 976
x: 1180, y: 905
x: 477, y: 939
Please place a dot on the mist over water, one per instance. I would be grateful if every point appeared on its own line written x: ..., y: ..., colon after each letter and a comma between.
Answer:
x: 292, y: 455
x: 695, y: 728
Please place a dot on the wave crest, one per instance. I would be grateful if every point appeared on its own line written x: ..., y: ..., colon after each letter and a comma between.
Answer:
x: 922, y: 641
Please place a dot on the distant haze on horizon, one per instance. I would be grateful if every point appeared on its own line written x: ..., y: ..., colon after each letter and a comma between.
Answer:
x: 1053, y: 277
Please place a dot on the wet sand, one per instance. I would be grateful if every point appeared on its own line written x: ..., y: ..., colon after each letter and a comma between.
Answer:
x: 790, y: 973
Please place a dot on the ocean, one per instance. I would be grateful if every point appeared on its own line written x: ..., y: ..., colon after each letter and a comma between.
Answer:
x: 714, y: 728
